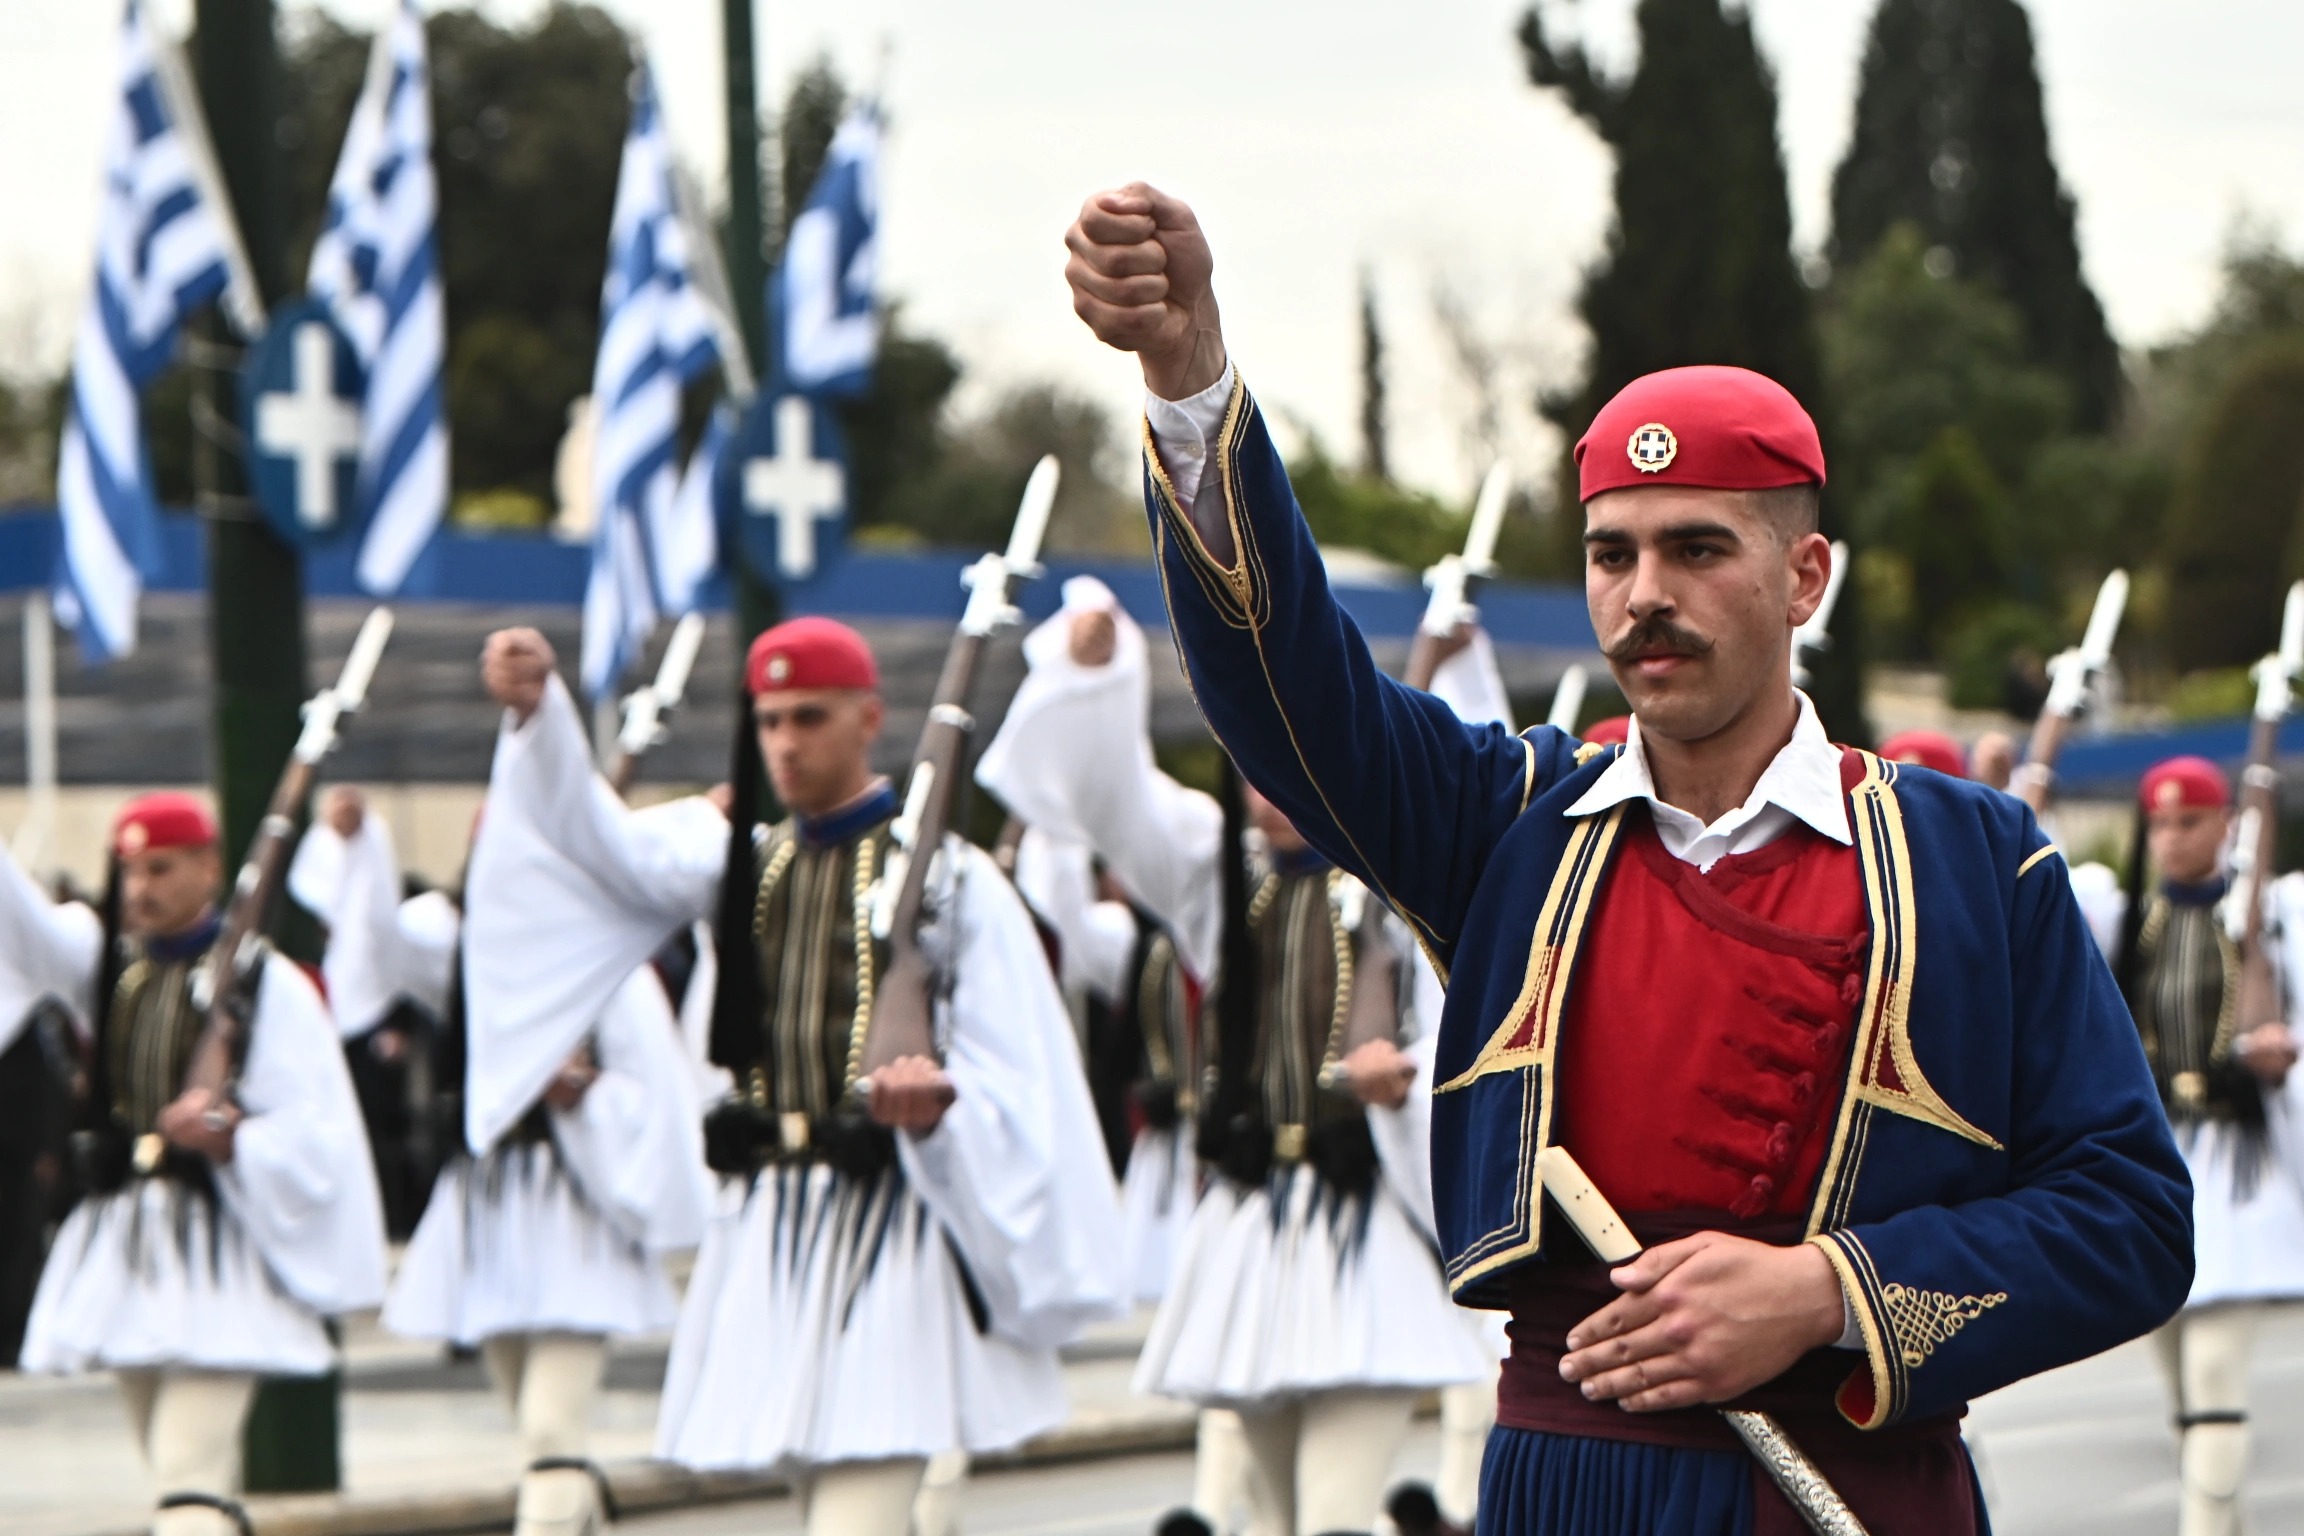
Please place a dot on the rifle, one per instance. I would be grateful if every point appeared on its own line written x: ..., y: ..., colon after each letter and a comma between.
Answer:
x: 223, y: 987
x: 1450, y: 607
x: 1816, y: 634
x: 2069, y: 675
x: 902, y: 1023
x: 2253, y: 850
x: 645, y: 709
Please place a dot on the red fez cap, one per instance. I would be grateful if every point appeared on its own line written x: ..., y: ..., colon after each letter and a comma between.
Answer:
x: 2192, y: 782
x: 1728, y: 429
x: 811, y: 652
x: 163, y: 820
x: 1613, y: 731
x: 1930, y: 749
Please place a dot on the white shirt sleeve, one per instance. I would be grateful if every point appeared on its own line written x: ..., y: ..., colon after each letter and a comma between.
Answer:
x: 1182, y: 431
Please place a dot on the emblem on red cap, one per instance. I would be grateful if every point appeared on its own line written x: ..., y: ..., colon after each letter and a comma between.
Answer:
x: 133, y: 837
x: 1653, y: 448
x: 779, y: 667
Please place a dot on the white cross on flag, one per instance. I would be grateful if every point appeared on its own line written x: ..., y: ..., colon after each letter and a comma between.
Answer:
x: 310, y: 425
x: 795, y: 488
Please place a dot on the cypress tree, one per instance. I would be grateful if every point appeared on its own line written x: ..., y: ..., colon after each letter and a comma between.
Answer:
x: 2239, y: 506
x: 1698, y: 266
x: 1952, y: 137
x: 1375, y: 456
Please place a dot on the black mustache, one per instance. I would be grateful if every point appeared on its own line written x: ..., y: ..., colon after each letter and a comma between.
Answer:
x: 1656, y: 634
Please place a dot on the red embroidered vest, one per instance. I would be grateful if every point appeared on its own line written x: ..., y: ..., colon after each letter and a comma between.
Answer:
x: 1707, y: 1039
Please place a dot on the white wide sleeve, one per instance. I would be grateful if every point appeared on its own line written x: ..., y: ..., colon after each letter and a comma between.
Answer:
x: 1015, y: 1171
x: 569, y: 890
x: 300, y: 1179
x: 353, y: 885
x: 636, y: 1141
x: 47, y: 949
x: 2103, y: 906
x: 1074, y: 758
x: 1471, y: 684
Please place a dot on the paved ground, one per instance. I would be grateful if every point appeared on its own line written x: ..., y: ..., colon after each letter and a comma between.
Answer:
x: 2083, y: 1450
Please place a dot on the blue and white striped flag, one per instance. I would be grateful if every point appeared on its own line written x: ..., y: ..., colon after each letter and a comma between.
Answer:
x: 165, y: 245
x: 377, y: 267
x: 656, y: 333
x: 827, y: 288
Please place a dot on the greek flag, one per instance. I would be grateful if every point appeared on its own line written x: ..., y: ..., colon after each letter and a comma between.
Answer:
x: 656, y: 333
x: 825, y: 290
x: 377, y: 267
x: 165, y: 245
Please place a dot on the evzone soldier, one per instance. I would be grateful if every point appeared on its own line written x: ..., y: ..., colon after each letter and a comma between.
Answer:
x: 1305, y: 1297
x: 217, y: 1235
x: 1831, y: 1036
x: 576, y: 1159
x: 896, y: 1256
x: 386, y: 970
x: 2231, y: 1095
x: 1141, y: 941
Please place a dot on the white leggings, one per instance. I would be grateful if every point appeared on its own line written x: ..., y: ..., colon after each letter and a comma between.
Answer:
x: 2204, y: 1357
x: 187, y: 1425
x: 862, y: 1498
x: 1320, y: 1463
x: 549, y: 1381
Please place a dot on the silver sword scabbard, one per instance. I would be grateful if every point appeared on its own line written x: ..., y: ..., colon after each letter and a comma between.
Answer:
x: 1788, y: 1467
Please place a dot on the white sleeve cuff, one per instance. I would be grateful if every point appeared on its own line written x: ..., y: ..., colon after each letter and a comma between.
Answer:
x: 1182, y: 430
x: 1851, y: 1332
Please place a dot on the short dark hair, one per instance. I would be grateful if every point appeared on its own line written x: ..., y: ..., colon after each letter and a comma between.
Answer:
x: 1791, y: 510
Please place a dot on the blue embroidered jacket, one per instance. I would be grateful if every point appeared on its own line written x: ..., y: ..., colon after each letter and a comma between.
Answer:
x: 2001, y: 1193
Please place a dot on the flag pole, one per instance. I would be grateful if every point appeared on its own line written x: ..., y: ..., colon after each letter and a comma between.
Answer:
x: 31, y: 844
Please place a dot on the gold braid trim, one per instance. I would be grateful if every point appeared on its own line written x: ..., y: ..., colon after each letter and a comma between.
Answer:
x: 1261, y: 902
x: 862, y: 922
x: 1341, y: 937
x: 1924, y: 1319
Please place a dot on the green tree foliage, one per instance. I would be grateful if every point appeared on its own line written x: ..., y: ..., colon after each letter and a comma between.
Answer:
x: 2237, y: 537
x: 528, y: 126
x: 1698, y: 266
x: 1951, y: 138
x: 1360, y: 511
x: 1939, y: 421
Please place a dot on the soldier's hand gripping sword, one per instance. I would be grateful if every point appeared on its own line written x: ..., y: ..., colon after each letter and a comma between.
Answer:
x: 2069, y: 675
x: 901, y: 1024
x: 221, y: 987
x: 1451, y: 579
x: 647, y: 709
x: 1612, y: 1242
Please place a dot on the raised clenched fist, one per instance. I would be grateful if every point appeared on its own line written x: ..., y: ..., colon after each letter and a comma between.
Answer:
x: 1141, y: 278
x: 514, y: 666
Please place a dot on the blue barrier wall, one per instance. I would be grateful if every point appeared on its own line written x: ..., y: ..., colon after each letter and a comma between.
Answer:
x: 530, y: 569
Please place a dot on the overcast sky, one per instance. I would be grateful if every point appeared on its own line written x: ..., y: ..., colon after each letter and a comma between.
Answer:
x: 1315, y: 141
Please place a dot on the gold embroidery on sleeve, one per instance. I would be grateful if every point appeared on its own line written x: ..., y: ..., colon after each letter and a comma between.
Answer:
x: 1925, y: 1319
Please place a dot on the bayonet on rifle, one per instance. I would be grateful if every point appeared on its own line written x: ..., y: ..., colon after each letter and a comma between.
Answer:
x: 1816, y: 634
x: 1568, y: 699
x: 220, y: 987
x: 646, y: 709
x: 2254, y: 846
x: 901, y: 1023
x: 2069, y: 675
x: 1451, y: 579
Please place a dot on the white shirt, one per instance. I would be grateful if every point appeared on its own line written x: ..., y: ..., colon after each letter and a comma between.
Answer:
x: 1802, y: 783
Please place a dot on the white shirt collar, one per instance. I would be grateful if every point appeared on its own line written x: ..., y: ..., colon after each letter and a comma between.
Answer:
x: 1802, y: 783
